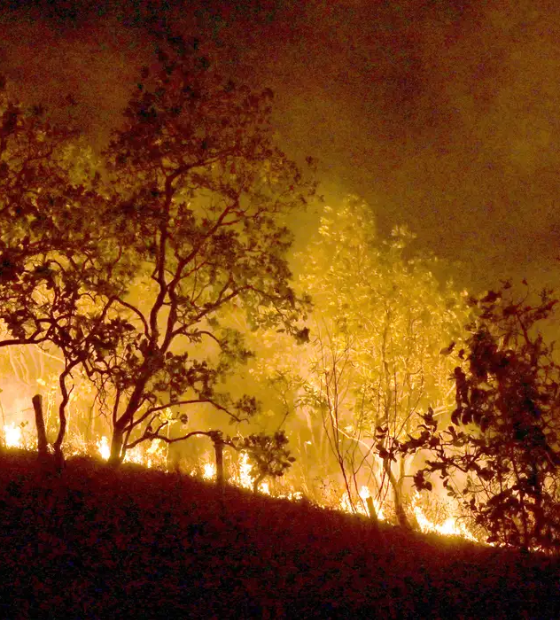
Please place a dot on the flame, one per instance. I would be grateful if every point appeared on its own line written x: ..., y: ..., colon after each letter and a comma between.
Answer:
x: 360, y: 507
x: 209, y: 471
x: 450, y: 527
x: 103, y: 448
x: 13, y: 436
x: 245, y: 480
x: 137, y: 457
x: 294, y: 496
x: 155, y: 455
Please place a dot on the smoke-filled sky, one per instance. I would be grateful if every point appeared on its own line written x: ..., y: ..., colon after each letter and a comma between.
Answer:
x: 442, y: 114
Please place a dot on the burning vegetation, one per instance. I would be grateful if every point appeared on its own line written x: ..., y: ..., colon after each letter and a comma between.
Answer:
x: 149, y: 300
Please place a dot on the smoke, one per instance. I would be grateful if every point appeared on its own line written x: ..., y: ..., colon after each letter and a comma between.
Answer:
x: 444, y: 115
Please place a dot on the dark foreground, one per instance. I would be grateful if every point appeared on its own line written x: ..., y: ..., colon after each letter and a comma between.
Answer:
x: 96, y: 543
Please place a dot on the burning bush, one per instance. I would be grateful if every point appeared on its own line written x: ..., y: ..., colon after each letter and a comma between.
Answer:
x: 501, y: 455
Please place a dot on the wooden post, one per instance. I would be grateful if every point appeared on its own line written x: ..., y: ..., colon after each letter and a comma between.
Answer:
x: 219, y: 450
x: 42, y: 444
x: 372, y: 512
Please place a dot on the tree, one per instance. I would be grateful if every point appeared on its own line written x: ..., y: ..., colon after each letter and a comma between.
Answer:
x: 50, y: 255
x: 381, y: 319
x: 131, y: 267
x: 201, y: 199
x: 501, y: 454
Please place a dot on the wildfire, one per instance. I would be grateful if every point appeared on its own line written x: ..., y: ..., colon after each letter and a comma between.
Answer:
x: 450, y: 527
x: 103, y: 448
x: 243, y: 479
x: 137, y: 457
x: 13, y: 436
x: 209, y: 471
x: 155, y: 455
x: 360, y: 507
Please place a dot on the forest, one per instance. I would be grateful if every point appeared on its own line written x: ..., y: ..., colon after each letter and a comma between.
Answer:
x: 158, y: 307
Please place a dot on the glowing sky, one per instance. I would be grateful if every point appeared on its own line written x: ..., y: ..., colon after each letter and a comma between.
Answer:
x: 443, y: 114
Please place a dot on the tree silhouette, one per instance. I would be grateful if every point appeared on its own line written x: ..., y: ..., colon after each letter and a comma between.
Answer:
x: 501, y: 455
x: 51, y: 256
x: 132, y: 266
x: 201, y: 198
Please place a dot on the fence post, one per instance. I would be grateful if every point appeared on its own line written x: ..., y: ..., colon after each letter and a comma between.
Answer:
x: 42, y: 444
x: 372, y: 512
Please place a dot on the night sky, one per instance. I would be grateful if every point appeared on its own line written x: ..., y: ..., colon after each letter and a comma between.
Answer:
x: 443, y: 114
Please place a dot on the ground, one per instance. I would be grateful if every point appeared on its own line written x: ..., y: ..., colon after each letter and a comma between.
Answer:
x: 99, y: 543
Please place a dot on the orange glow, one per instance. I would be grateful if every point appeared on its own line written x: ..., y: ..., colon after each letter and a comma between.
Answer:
x: 103, y: 448
x: 245, y: 480
x: 209, y: 471
x: 360, y: 507
x: 154, y: 454
x: 450, y: 527
x: 13, y: 436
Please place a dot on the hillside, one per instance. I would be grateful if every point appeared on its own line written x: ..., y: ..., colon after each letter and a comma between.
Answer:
x: 98, y: 543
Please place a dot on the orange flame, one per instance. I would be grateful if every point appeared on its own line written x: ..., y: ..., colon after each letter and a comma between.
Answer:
x: 450, y: 527
x: 13, y: 436
x: 155, y: 455
x: 209, y: 471
x: 103, y: 448
x: 360, y: 507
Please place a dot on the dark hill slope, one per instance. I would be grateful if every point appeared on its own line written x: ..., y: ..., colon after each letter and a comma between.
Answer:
x: 98, y: 543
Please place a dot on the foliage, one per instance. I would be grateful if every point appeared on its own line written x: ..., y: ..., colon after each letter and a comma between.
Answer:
x: 501, y: 454
x: 130, y: 267
x: 54, y: 261
x: 201, y: 197
x: 381, y: 318
x: 269, y: 455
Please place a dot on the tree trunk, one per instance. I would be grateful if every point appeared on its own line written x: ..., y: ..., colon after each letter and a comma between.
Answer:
x: 117, y: 441
x: 402, y: 519
x: 372, y: 512
x: 125, y: 421
x: 63, y: 422
x: 219, y: 450
x: 411, y: 518
x: 256, y: 483
x: 42, y: 444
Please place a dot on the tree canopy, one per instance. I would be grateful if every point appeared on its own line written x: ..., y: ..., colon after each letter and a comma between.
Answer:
x: 380, y: 320
x: 500, y: 456
x: 130, y: 271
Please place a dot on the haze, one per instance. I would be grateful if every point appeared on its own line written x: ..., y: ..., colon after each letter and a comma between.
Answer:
x: 442, y: 115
